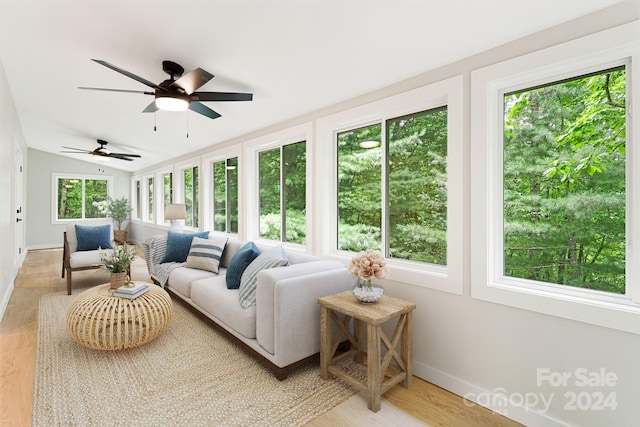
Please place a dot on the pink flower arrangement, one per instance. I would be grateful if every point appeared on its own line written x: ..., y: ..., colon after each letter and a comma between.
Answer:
x: 367, y: 265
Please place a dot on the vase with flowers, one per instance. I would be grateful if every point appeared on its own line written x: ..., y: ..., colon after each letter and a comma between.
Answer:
x: 365, y: 266
x: 118, y: 262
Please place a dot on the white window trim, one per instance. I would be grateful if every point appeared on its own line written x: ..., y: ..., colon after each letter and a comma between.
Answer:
x: 303, y: 132
x: 488, y: 86
x: 178, y: 183
x: 446, y: 92
x: 54, y: 194
x: 206, y: 201
x: 159, y: 207
x: 136, y: 217
x: 144, y: 193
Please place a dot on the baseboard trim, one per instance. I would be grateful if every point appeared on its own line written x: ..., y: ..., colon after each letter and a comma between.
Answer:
x: 44, y: 246
x: 5, y: 299
x: 493, y: 400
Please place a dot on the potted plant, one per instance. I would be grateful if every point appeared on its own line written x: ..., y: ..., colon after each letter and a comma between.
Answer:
x: 119, y: 210
x: 118, y: 262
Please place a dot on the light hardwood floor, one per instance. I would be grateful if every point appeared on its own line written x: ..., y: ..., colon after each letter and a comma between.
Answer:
x: 422, y: 404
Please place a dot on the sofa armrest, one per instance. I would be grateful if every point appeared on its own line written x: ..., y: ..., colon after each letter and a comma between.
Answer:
x: 154, y: 249
x: 288, y: 315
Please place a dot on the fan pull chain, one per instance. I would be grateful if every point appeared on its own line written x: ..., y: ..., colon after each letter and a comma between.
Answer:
x: 155, y: 121
x: 187, y: 124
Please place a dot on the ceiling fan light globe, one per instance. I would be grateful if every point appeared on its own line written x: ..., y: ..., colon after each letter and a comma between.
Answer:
x: 168, y: 103
x: 102, y: 158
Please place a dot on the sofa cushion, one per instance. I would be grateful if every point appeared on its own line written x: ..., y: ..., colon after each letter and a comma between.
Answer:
x: 91, y: 238
x: 212, y: 296
x: 239, y: 263
x: 85, y: 258
x: 178, y: 246
x: 275, y: 257
x: 180, y: 279
x: 205, y: 254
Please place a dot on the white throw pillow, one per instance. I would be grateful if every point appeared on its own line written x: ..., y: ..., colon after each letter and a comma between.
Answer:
x: 205, y: 254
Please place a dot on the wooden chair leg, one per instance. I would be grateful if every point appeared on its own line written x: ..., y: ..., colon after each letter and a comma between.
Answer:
x: 69, y: 282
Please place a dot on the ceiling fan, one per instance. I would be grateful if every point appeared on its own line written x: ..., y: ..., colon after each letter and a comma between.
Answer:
x: 178, y: 92
x: 102, y: 152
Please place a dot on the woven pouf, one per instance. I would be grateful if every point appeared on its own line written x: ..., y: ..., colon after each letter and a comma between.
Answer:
x: 97, y: 320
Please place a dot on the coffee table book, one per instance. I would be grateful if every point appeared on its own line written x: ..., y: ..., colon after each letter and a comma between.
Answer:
x: 133, y: 289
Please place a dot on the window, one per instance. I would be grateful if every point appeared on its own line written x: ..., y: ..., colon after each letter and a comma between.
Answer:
x: 167, y: 190
x: 397, y: 166
x: 190, y: 180
x: 564, y: 182
x: 225, y: 195
x: 415, y: 224
x: 80, y: 196
x: 553, y: 182
x: 137, y: 205
x: 149, y: 182
x: 282, y: 188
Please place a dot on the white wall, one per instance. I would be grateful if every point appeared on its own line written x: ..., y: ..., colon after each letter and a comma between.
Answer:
x: 40, y: 232
x: 491, y: 352
x: 11, y: 138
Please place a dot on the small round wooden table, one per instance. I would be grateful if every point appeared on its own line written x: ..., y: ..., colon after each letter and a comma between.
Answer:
x: 98, y: 320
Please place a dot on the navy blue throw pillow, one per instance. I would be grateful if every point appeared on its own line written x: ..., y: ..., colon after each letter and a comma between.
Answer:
x: 239, y: 263
x: 91, y: 238
x: 178, y: 246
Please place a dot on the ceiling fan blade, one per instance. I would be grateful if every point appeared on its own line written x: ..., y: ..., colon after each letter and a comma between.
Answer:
x: 203, y: 109
x: 193, y: 80
x: 75, y: 152
x: 79, y: 150
x: 116, y: 90
x: 126, y: 155
x: 151, y: 108
x: 221, y: 96
x: 120, y: 157
x: 128, y: 74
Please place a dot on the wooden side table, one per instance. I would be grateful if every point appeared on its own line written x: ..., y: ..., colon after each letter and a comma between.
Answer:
x: 342, y: 308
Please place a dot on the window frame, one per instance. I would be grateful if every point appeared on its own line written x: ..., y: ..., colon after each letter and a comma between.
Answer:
x: 83, y: 177
x: 489, y: 84
x: 160, y: 207
x: 295, y: 134
x: 136, y: 214
x: 447, y: 92
x: 207, y: 201
x: 179, y: 190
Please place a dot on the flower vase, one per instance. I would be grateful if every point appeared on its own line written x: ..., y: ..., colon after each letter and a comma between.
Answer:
x: 117, y: 280
x: 366, y: 293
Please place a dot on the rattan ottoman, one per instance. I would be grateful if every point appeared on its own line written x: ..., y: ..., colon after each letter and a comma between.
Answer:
x: 100, y: 321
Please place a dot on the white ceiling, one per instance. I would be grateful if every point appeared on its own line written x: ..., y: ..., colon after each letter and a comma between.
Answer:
x: 295, y: 56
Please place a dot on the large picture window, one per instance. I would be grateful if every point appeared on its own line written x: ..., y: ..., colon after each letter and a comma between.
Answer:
x: 80, y: 196
x: 282, y: 189
x: 167, y: 189
x: 397, y: 183
x: 225, y: 195
x: 150, y: 200
x: 410, y: 156
x: 554, y: 188
x: 564, y: 182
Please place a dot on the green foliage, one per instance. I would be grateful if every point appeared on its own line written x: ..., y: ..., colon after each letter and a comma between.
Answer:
x: 417, y: 188
x: 118, y: 210
x: 118, y: 259
x: 564, y: 183
x: 71, y: 192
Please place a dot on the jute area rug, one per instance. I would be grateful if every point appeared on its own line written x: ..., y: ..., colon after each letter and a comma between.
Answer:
x: 190, y: 375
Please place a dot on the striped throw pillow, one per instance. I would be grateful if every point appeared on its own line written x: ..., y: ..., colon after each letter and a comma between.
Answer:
x: 205, y: 254
x: 275, y: 257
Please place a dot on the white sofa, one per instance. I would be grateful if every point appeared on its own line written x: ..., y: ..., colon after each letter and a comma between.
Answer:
x: 283, y: 328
